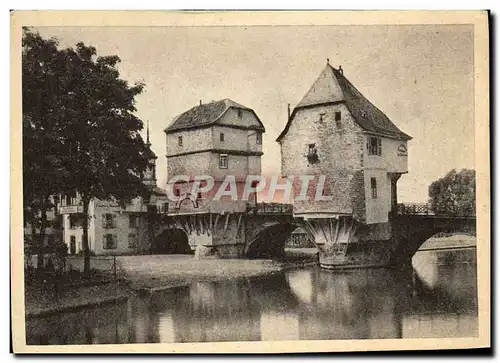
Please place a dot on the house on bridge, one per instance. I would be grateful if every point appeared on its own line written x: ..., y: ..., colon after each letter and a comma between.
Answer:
x: 335, y: 131
x: 217, y: 139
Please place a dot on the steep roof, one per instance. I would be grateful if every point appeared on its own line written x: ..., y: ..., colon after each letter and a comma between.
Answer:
x: 332, y: 87
x: 206, y: 115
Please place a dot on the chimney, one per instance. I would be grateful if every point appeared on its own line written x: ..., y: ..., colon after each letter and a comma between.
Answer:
x: 289, y: 111
x: 341, y: 70
x: 200, y: 103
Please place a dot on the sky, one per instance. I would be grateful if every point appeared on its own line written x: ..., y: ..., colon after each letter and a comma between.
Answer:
x: 420, y: 76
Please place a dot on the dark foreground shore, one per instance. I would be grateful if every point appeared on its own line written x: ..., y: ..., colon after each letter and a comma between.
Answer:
x: 146, y: 274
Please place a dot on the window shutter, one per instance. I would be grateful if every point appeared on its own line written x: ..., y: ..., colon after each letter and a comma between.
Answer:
x: 114, y: 241
x: 104, y: 221
x: 379, y: 141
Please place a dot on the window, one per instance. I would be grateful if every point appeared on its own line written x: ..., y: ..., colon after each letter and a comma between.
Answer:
x: 373, y: 183
x: 179, y: 140
x: 221, y: 137
x: 240, y: 114
x: 199, y: 195
x: 321, y: 117
x: 133, y: 221
x: 312, y: 153
x: 177, y: 192
x: 132, y: 240
x: 72, y: 245
x: 71, y: 198
x: 374, y: 146
x: 311, y: 149
x: 109, y: 241
x: 108, y: 221
x: 73, y: 221
x: 223, y: 161
x: 258, y: 139
x: 338, y: 119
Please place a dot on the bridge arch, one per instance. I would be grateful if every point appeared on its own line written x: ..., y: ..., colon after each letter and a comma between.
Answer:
x: 171, y: 241
x: 269, y: 243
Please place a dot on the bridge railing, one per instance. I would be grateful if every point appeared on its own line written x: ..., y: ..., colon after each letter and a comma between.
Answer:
x: 422, y: 209
x: 270, y: 208
x: 425, y: 209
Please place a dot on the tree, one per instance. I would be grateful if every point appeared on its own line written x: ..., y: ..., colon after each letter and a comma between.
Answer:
x: 454, y: 194
x: 100, y: 153
x: 105, y: 155
x: 41, y: 148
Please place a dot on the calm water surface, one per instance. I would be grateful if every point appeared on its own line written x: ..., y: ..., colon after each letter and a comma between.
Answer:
x: 435, y: 299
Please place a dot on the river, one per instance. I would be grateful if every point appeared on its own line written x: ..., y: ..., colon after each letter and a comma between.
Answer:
x: 437, y: 298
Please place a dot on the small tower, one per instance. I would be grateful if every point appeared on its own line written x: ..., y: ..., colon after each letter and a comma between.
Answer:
x: 150, y: 173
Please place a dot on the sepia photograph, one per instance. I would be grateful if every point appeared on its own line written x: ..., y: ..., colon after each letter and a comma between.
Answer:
x: 249, y: 182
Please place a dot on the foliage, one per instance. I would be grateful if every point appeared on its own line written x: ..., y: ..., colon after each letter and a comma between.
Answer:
x: 79, y: 125
x: 42, y: 151
x: 454, y: 194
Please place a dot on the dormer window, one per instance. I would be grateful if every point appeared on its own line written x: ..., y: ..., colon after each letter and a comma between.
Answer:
x: 240, y: 114
x: 179, y: 140
x: 374, y: 146
x: 258, y: 139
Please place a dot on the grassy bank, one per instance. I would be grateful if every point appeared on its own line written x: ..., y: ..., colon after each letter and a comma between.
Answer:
x: 43, y: 299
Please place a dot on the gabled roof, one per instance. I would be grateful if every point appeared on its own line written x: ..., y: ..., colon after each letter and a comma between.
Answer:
x: 207, y: 115
x: 332, y: 87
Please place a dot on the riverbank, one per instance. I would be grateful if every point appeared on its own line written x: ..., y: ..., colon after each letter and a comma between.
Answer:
x: 146, y: 274
x: 42, y: 300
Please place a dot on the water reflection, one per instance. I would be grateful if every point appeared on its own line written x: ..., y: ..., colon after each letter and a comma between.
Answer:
x: 444, y: 295
x: 436, y: 299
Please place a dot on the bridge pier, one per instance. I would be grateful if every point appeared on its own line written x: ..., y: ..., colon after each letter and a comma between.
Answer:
x: 344, y: 242
x: 212, y: 235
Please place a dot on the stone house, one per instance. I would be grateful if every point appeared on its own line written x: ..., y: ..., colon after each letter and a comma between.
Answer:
x: 216, y: 139
x: 219, y: 139
x: 336, y: 132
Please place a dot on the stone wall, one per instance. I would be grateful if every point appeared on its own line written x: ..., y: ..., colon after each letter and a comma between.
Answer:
x: 340, y: 154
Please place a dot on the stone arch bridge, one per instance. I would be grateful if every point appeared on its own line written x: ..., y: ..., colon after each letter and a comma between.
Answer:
x: 262, y: 231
